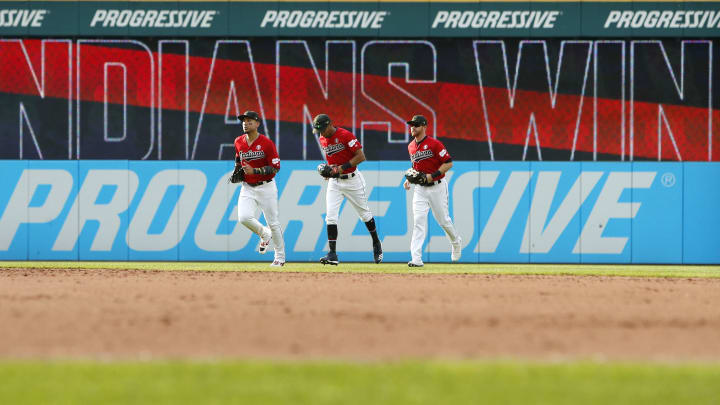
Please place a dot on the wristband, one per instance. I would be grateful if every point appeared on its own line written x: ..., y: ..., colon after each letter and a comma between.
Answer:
x: 437, y: 174
x: 346, y: 166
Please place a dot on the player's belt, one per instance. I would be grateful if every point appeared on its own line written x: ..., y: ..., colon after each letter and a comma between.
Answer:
x: 431, y: 184
x: 259, y: 183
x: 346, y: 176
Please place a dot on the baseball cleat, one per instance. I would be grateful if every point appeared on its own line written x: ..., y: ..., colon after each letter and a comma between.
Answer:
x: 330, y: 258
x: 264, y: 241
x: 277, y: 263
x: 377, y: 252
x: 411, y: 264
x: 456, y: 250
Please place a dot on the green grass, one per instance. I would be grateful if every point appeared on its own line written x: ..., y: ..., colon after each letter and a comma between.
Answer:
x: 336, y: 383
x: 387, y: 268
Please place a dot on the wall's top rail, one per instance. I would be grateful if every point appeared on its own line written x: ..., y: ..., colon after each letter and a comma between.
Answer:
x: 379, y: 18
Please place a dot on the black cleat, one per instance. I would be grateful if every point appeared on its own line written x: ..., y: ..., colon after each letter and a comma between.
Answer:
x: 377, y: 252
x: 330, y: 258
x: 411, y: 264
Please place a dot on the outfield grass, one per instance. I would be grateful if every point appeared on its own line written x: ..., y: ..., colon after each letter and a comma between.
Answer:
x: 400, y: 268
x: 335, y: 383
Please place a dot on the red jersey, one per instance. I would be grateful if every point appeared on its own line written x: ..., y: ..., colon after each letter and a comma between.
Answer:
x: 340, y: 147
x: 260, y: 153
x: 428, y: 155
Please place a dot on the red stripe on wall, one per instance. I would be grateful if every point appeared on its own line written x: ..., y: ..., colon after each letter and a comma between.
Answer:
x: 458, y: 108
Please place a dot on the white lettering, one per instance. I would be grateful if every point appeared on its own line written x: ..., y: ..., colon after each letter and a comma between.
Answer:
x: 269, y: 17
x: 440, y: 17
x: 612, y: 18
x: 120, y: 18
x: 606, y: 208
x: 18, y: 210
x: 206, y: 237
x: 193, y: 182
x: 539, y: 238
x: 85, y: 208
x: 506, y: 19
x: 311, y: 215
x: 502, y: 213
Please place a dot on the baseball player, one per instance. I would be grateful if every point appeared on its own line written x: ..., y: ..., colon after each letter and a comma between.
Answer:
x: 343, y: 153
x: 430, y: 161
x: 256, y: 163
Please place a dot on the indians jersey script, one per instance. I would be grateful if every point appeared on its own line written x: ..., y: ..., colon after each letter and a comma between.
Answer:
x: 260, y: 153
x: 340, y: 147
x: 428, y: 155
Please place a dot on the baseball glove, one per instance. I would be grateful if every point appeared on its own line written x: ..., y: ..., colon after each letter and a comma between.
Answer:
x: 415, y: 177
x: 238, y: 175
x: 327, y: 171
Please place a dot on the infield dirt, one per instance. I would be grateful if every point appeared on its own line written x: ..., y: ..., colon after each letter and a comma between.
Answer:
x: 118, y: 314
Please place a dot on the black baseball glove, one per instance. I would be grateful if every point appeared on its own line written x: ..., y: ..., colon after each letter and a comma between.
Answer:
x: 415, y: 177
x: 326, y: 171
x: 238, y: 175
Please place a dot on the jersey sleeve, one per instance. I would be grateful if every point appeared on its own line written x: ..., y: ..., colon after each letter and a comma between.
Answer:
x: 351, y: 142
x: 272, y: 156
x: 237, y: 147
x: 441, y: 152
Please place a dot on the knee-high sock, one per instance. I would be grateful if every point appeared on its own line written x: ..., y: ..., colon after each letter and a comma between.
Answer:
x: 370, y: 225
x: 332, y: 233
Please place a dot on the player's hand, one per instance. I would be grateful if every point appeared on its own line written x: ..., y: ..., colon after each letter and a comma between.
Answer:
x: 406, y: 185
x: 336, y: 170
x: 248, y: 169
x: 429, y: 178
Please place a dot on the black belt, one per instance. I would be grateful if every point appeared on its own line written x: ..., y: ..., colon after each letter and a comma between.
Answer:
x: 346, y: 176
x: 431, y: 184
x: 259, y: 183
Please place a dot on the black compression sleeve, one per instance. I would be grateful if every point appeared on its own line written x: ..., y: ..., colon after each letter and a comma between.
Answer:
x: 265, y: 170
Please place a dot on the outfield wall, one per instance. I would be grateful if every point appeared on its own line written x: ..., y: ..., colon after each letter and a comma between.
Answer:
x: 590, y: 212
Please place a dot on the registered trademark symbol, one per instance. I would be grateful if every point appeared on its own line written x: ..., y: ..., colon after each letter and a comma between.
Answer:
x: 668, y: 179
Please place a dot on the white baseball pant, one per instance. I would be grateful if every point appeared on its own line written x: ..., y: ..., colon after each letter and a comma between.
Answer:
x: 352, y: 188
x: 426, y: 198
x: 265, y: 197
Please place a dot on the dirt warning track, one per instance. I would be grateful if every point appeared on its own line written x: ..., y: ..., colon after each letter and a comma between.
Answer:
x: 135, y: 314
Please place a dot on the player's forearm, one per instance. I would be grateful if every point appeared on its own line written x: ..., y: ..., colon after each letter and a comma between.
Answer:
x: 445, y: 167
x: 265, y: 170
x: 442, y: 170
x: 358, y: 158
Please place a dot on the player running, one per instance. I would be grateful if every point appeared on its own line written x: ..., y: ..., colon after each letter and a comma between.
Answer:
x: 256, y: 163
x: 430, y: 161
x: 343, y: 153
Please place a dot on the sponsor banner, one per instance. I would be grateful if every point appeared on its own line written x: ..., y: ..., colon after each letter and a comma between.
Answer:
x: 486, y: 99
x: 361, y: 19
x: 589, y: 212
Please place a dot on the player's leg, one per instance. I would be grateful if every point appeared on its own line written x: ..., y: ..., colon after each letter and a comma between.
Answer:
x: 354, y: 190
x: 269, y: 206
x: 439, y: 202
x: 421, y: 206
x: 247, y: 210
x: 333, y: 199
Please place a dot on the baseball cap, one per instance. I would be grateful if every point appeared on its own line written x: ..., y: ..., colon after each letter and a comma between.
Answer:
x: 418, y: 120
x: 249, y: 114
x: 321, y: 122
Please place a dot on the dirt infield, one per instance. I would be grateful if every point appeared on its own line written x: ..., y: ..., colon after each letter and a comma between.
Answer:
x: 137, y: 314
